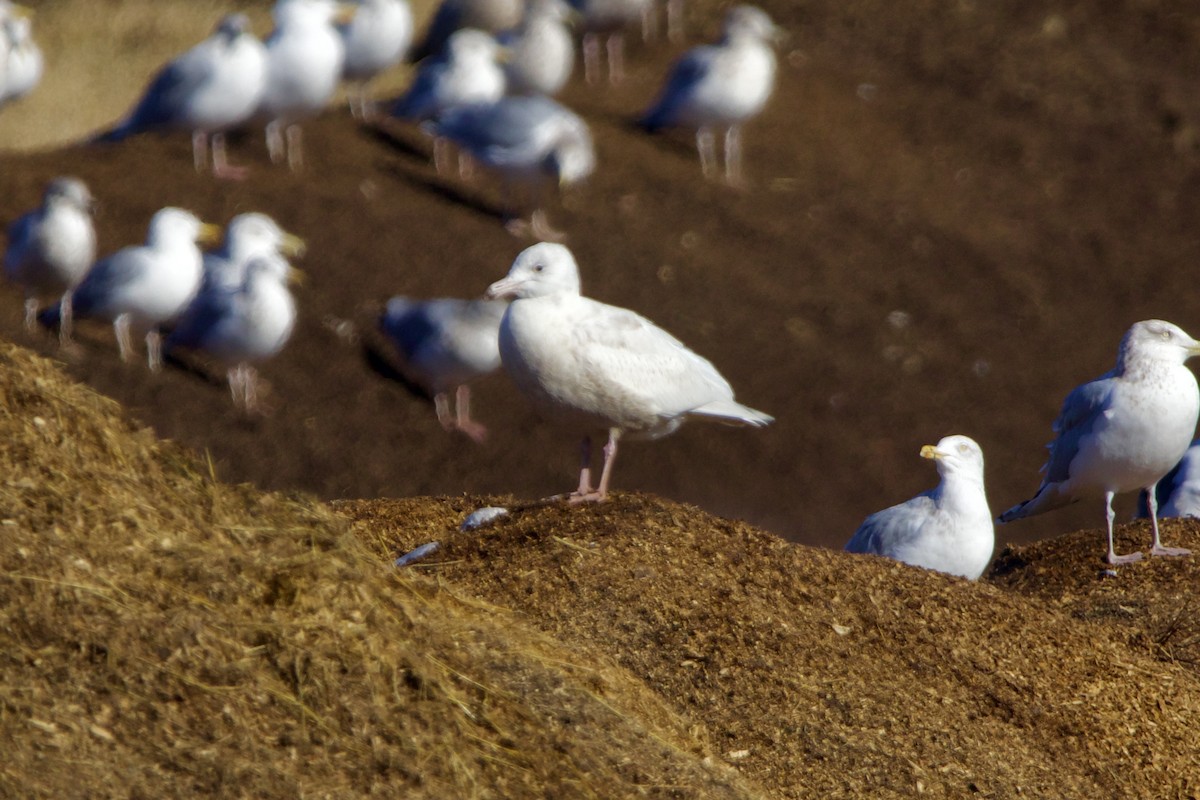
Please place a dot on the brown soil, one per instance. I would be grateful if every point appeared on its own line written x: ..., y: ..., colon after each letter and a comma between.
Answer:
x: 1015, y: 181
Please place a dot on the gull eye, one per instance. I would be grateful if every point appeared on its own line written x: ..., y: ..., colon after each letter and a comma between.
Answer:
x: 1166, y: 335
x: 538, y: 267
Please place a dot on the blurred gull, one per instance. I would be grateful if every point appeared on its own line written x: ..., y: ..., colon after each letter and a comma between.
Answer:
x: 20, y: 57
x: 608, y: 18
x: 720, y: 86
x: 529, y: 142
x: 490, y: 16
x: 599, y: 366
x: 50, y: 249
x: 949, y: 528
x: 1124, y: 430
x: 304, y: 65
x: 145, y: 286
x: 467, y: 72
x: 445, y: 344
x: 243, y: 325
x: 248, y: 236
x: 375, y: 40
x: 541, y: 51
x: 215, y: 86
x: 1178, y: 492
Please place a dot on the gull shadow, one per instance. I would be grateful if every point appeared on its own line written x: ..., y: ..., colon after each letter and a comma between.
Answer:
x: 389, y: 136
x: 380, y: 361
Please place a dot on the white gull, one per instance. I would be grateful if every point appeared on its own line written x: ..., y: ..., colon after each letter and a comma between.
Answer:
x: 21, y: 61
x: 541, y: 52
x: 596, y: 366
x: 376, y: 39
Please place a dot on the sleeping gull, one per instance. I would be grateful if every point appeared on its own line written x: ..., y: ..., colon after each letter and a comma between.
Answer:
x: 1178, y: 492
x: 247, y: 236
x: 530, y: 142
x: 490, y: 16
x: 20, y: 57
x: 304, y: 65
x: 243, y: 325
x: 541, y: 51
x: 599, y: 366
x: 210, y: 89
x: 146, y: 286
x: 445, y: 344
x: 375, y: 40
x: 608, y: 18
x: 720, y: 86
x: 949, y: 528
x: 51, y: 248
x: 1124, y: 430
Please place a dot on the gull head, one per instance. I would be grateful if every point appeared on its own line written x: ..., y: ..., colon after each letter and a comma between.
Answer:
x: 309, y: 12
x: 471, y: 46
x: 170, y: 226
x: 956, y: 455
x: 232, y: 26
x: 752, y: 23
x: 1156, y: 340
x: 68, y: 193
x: 254, y: 234
x: 544, y: 269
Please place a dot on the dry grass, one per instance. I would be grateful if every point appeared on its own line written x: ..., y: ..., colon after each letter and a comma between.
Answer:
x: 165, y: 635
x: 100, y: 54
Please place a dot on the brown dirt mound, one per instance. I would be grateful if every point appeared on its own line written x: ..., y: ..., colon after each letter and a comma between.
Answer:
x: 164, y: 635
x: 821, y: 674
x: 1014, y: 180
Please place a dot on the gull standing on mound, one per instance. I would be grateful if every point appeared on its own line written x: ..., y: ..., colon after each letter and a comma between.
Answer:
x: 949, y: 528
x: 489, y: 16
x: 21, y: 61
x: 445, y: 344
x: 304, y: 66
x: 242, y: 326
x: 529, y: 142
x: 721, y: 86
x: 1124, y: 430
x: 376, y: 39
x: 599, y: 366
x: 146, y: 286
x: 541, y: 50
x: 50, y: 249
x: 210, y: 89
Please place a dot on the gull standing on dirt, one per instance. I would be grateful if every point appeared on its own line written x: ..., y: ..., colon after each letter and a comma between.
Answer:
x: 1123, y: 431
x: 489, y: 16
x: 304, y: 66
x: 50, y: 249
x: 445, y: 344
x: 607, y: 18
x: 949, y: 528
x: 594, y: 365
x: 210, y: 89
x: 20, y: 58
x: 721, y: 86
x: 247, y: 236
x: 541, y: 51
x: 467, y: 72
x: 1178, y: 492
x: 243, y: 325
x: 375, y: 40
x: 146, y: 286
x: 529, y: 142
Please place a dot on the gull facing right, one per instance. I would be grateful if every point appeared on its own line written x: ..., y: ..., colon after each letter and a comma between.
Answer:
x: 1124, y: 431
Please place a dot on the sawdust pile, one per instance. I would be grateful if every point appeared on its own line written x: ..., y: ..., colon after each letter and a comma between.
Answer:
x: 162, y: 635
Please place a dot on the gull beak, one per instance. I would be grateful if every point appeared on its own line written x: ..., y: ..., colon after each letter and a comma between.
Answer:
x: 292, y: 246
x: 504, y: 55
x: 209, y: 234
x: 929, y: 451
x: 345, y: 13
x: 501, y: 289
x: 296, y: 277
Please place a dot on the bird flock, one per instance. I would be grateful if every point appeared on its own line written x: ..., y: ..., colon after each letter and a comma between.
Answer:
x: 486, y: 73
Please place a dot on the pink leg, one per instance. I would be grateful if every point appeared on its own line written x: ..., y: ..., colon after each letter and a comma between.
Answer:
x: 65, y: 317
x: 706, y: 147
x: 295, y: 147
x: 616, y: 57
x: 591, y: 57
x: 464, y: 423
x: 199, y: 150
x: 584, y: 492
x: 275, y: 146
x: 733, y: 156
x: 154, y: 350
x: 31, y: 305
x: 610, y: 456
x: 1157, y: 549
x: 124, y: 339
x: 1113, y: 558
x: 221, y: 167
x: 675, y: 20
x: 441, y: 404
